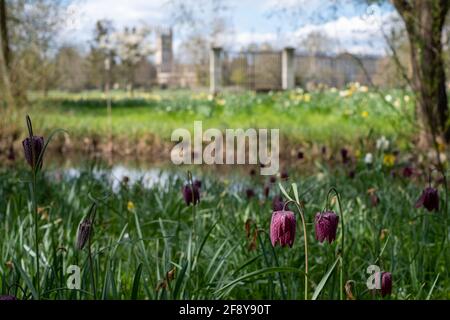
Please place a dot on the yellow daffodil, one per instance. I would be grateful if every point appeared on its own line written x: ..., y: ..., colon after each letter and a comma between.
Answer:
x: 364, y: 114
x: 364, y: 89
x: 389, y: 160
x: 130, y: 206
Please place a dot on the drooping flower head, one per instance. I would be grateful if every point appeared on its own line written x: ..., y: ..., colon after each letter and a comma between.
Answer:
x: 326, y: 224
x: 429, y: 199
x: 32, y: 147
x: 266, y: 191
x: 383, y: 280
x: 344, y: 155
x: 250, y: 193
x: 197, y: 184
x: 352, y: 174
x: 374, y: 199
x: 191, y: 194
x: 84, y: 233
x: 407, y: 172
x: 282, y: 228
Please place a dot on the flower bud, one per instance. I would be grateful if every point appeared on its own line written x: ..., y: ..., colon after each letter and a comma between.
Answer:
x: 84, y: 233
x: 32, y: 148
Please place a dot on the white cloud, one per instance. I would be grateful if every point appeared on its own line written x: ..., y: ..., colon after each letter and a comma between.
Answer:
x: 358, y: 34
x: 84, y: 14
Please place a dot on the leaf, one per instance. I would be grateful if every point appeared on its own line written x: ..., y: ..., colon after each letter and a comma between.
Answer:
x: 432, y: 287
x: 284, y: 192
x: 180, y: 279
x: 258, y: 273
x: 137, y: 278
x: 50, y: 137
x: 27, y: 280
x: 203, y: 244
x: 324, y: 280
x: 295, y: 189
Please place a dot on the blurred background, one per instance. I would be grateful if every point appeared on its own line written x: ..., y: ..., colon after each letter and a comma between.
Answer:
x: 120, y: 77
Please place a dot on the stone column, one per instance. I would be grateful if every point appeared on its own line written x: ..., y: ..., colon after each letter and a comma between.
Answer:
x: 288, y: 69
x: 215, y: 70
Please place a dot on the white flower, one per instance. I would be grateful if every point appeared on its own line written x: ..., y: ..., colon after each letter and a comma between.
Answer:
x: 388, y: 98
x: 368, y: 159
x: 406, y: 99
x: 382, y: 143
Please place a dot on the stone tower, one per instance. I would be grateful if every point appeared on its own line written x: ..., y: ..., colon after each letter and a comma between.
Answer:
x: 164, y: 56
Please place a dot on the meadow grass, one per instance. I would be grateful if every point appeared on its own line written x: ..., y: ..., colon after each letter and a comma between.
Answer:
x: 319, y: 117
x: 148, y: 244
x: 143, y: 235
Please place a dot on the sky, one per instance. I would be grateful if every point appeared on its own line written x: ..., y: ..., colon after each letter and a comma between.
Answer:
x: 354, y: 28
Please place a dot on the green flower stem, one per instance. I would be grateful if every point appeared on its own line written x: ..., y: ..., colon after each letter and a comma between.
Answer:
x: 305, y: 238
x: 36, y: 232
x: 341, y: 254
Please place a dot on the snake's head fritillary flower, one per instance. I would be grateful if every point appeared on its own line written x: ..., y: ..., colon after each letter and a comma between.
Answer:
x: 284, y: 175
x: 266, y: 191
x: 429, y: 199
x: 273, y: 179
x: 326, y: 224
x: 282, y: 228
x: 191, y: 194
x: 407, y: 172
x: 197, y: 184
x: 7, y: 298
x: 250, y: 193
x: 352, y: 174
x: 32, y: 147
x: 344, y: 155
x: 300, y: 155
x: 84, y: 233
x: 386, y: 282
x: 374, y: 199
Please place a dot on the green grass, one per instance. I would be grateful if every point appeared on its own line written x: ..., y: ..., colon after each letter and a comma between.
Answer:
x: 134, y: 248
x: 326, y: 117
x: 143, y: 233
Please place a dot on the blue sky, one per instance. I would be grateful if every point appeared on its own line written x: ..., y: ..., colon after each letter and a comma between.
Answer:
x: 356, y: 28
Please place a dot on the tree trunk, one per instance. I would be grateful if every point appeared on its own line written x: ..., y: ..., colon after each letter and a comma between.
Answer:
x: 5, y: 85
x: 424, y: 22
x: 4, y: 33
